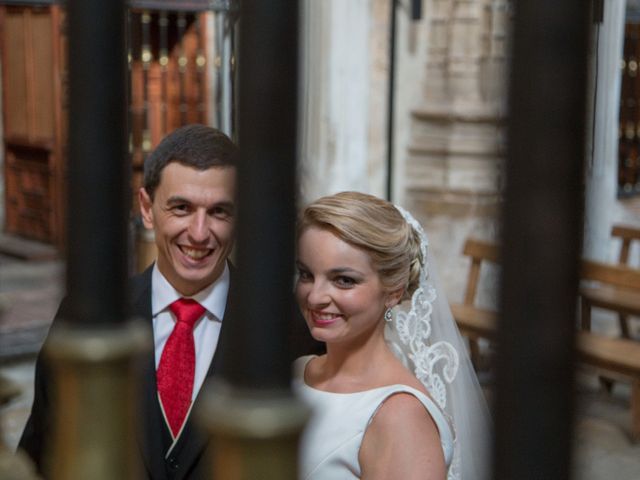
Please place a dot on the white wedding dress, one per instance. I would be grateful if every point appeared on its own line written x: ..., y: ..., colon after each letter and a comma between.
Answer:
x: 331, y: 441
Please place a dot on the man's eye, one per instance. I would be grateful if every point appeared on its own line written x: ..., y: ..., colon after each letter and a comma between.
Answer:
x: 220, y: 212
x: 180, y: 208
x: 304, y: 276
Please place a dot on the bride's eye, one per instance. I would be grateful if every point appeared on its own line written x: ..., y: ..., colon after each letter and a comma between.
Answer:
x: 304, y: 275
x: 345, y: 282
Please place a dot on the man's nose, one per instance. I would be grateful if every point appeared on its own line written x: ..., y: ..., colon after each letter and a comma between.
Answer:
x: 199, y: 227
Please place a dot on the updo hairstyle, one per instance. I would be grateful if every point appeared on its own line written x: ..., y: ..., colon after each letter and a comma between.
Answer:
x: 375, y: 226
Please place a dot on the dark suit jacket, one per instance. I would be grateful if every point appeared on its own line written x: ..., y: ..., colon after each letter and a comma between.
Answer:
x: 154, y: 439
x: 185, y: 460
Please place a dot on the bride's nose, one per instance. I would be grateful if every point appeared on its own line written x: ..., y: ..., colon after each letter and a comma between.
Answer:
x: 319, y: 294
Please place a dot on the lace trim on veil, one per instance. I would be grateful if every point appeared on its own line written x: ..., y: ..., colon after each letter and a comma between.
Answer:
x: 435, y: 364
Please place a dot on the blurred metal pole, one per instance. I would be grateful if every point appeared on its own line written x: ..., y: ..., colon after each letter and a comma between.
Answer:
x: 92, y: 351
x: 99, y: 198
x: 542, y: 238
x: 255, y: 422
x: 391, y: 96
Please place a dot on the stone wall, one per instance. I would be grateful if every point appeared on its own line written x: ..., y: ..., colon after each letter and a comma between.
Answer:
x: 454, y: 156
x: 343, y: 91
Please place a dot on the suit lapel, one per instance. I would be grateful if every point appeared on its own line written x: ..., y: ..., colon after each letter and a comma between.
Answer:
x: 151, y: 422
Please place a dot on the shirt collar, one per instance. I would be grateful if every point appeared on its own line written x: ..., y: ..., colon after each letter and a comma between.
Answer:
x: 213, y: 297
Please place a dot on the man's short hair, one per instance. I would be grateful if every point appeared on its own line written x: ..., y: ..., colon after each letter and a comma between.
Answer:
x: 197, y: 146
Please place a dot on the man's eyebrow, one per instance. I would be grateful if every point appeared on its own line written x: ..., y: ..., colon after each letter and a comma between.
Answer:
x: 225, y: 203
x: 177, y: 199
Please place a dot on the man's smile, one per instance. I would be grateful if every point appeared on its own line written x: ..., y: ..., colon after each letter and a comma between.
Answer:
x: 195, y: 253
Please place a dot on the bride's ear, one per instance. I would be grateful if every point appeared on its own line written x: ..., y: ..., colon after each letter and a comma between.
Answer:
x: 394, y: 297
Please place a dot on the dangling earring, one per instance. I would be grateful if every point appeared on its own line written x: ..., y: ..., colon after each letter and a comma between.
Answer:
x: 387, y: 315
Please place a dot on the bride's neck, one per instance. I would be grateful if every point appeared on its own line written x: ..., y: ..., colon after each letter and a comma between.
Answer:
x: 355, y: 361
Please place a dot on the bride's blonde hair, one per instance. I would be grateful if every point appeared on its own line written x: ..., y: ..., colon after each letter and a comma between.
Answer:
x: 375, y: 226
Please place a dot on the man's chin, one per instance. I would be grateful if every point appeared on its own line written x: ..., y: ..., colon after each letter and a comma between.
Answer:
x: 200, y: 276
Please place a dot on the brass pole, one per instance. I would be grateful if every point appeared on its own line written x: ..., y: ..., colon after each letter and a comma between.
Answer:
x: 95, y: 398
x: 92, y: 349
x: 253, y: 435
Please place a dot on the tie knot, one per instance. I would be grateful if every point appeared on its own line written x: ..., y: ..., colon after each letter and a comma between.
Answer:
x: 187, y: 310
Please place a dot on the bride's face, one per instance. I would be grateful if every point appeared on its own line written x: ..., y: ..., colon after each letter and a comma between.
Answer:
x: 339, y: 293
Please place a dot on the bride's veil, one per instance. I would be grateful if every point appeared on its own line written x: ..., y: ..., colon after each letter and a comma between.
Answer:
x: 425, y: 337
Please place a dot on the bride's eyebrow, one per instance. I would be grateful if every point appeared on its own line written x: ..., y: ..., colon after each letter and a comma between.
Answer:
x: 343, y: 270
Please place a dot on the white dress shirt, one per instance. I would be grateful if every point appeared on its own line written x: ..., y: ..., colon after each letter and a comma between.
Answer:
x: 206, y: 331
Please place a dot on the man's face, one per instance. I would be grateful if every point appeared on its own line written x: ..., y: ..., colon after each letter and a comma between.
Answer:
x: 193, y: 217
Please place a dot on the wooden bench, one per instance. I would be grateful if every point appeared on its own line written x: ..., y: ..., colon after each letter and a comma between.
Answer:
x: 474, y: 322
x: 613, y: 287
x: 627, y: 235
x: 617, y: 355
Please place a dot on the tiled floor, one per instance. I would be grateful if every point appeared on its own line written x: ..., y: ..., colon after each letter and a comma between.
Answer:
x: 603, y: 450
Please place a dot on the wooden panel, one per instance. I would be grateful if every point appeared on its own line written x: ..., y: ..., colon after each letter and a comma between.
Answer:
x: 175, y: 94
x: 32, y: 122
x: 629, y: 115
x: 28, y: 193
x: 42, y: 61
x: 15, y: 74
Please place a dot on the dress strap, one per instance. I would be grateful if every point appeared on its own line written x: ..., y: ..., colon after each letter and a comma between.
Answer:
x: 444, y: 427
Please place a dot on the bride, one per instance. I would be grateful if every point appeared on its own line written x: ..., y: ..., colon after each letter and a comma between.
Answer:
x: 395, y: 395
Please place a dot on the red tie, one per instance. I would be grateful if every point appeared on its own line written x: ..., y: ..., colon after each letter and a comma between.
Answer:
x: 178, y: 364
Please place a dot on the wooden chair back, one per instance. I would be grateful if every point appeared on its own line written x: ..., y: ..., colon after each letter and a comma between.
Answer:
x: 478, y: 251
x: 627, y: 234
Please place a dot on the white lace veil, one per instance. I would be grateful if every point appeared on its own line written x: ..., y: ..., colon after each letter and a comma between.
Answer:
x: 425, y: 337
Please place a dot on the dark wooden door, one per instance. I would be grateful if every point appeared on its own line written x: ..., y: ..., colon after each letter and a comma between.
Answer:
x: 168, y: 88
x: 32, y: 78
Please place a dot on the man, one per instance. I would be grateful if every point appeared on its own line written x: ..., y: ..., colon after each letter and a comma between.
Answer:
x: 188, y: 199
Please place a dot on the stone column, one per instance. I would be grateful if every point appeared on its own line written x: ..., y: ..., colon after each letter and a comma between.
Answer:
x: 453, y: 162
x: 343, y: 91
x: 602, y: 157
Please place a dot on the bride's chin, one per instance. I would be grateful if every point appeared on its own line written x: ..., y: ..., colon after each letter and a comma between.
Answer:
x: 320, y: 336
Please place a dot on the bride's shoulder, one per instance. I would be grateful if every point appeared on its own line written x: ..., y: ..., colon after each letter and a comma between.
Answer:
x: 405, y: 436
x: 302, y: 366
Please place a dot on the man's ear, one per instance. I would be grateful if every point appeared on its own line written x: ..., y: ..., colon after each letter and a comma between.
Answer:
x: 145, y: 208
